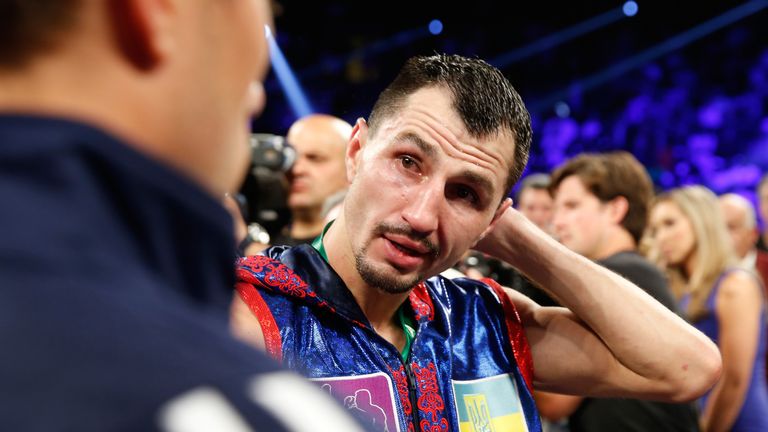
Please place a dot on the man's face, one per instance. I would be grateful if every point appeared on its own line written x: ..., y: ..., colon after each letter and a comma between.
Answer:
x: 221, y: 65
x: 423, y: 191
x: 319, y: 170
x: 580, y: 218
x: 536, y: 205
x: 743, y: 237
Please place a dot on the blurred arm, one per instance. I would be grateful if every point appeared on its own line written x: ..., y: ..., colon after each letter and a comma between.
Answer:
x: 738, y: 306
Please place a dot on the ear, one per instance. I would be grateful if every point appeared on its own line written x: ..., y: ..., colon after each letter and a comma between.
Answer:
x: 618, y: 208
x: 142, y: 30
x: 496, y: 217
x: 356, y: 143
x: 754, y: 234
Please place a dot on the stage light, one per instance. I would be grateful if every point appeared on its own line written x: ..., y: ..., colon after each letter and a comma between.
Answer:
x: 435, y: 26
x: 562, y: 109
x: 630, y: 8
x: 287, y: 78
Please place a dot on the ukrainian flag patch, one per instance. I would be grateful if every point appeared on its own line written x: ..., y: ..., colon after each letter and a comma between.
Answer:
x: 489, y: 405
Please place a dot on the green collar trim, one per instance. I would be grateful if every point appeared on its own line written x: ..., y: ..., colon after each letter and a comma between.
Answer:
x: 409, y: 330
x: 317, y: 243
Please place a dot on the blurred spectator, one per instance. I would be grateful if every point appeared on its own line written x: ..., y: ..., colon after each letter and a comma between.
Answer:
x: 723, y: 301
x: 740, y: 219
x: 316, y: 176
x: 534, y: 200
x: 762, y: 199
x: 601, y: 208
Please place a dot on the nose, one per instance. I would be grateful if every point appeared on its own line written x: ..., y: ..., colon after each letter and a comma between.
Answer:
x: 558, y: 220
x: 423, y: 207
x: 299, y: 167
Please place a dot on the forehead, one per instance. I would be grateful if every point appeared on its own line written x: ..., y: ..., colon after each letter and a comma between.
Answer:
x: 571, y: 187
x: 666, y: 209
x: 532, y: 195
x: 732, y: 212
x: 316, y: 140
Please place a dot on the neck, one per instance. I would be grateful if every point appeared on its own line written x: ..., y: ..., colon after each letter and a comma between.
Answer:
x: 616, y: 240
x: 59, y: 86
x: 380, y: 308
x: 306, y: 222
x: 689, y: 265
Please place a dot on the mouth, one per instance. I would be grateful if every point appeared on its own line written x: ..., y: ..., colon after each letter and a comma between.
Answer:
x: 406, y: 255
x: 298, y: 187
x: 408, y: 246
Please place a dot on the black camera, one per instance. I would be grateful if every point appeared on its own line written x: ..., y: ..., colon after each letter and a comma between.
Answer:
x: 271, y: 152
x: 266, y: 185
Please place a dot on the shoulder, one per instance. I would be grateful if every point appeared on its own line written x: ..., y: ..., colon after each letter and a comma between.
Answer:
x: 463, y: 288
x: 638, y: 270
x: 738, y: 283
x: 632, y: 262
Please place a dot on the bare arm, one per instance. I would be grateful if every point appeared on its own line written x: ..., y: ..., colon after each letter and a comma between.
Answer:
x: 556, y: 406
x: 615, y: 340
x: 244, y: 324
x: 738, y: 306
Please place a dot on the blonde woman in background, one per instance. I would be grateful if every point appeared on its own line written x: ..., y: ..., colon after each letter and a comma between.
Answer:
x: 691, y: 243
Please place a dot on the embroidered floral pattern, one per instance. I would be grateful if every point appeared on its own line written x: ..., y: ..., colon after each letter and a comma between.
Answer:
x: 401, y: 383
x: 430, y: 404
x: 270, y: 274
x: 421, y: 302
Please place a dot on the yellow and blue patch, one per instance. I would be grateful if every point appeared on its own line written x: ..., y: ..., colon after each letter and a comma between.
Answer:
x: 489, y: 405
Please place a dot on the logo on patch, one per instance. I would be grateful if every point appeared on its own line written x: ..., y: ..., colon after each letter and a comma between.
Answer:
x: 489, y: 405
x: 371, y: 396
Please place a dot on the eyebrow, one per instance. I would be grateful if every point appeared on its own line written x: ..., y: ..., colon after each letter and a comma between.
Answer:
x: 427, y: 148
x: 478, y: 180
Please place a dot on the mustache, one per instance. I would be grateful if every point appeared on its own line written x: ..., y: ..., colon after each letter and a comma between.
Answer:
x: 388, y: 228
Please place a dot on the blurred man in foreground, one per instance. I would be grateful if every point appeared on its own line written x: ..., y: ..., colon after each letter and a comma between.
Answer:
x: 122, y: 125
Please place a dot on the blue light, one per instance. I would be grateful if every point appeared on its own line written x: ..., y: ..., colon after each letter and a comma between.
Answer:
x: 630, y: 8
x: 435, y: 26
x: 562, y: 109
x: 287, y: 79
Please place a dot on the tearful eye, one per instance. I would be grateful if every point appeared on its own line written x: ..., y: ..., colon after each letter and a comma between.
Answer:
x: 407, y: 162
x: 463, y: 193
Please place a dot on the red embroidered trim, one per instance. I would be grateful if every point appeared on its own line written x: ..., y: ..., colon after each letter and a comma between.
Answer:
x: 430, y: 404
x: 421, y: 302
x: 260, y: 310
x: 268, y: 273
x: 520, y: 346
x: 401, y: 384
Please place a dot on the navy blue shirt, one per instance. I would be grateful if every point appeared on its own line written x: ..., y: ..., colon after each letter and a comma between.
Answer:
x: 116, y: 275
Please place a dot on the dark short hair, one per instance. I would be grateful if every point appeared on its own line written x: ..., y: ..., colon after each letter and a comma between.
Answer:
x: 30, y: 27
x: 484, y: 99
x: 535, y: 181
x: 611, y: 175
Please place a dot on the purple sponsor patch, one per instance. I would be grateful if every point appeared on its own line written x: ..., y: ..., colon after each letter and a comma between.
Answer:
x: 372, y: 396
